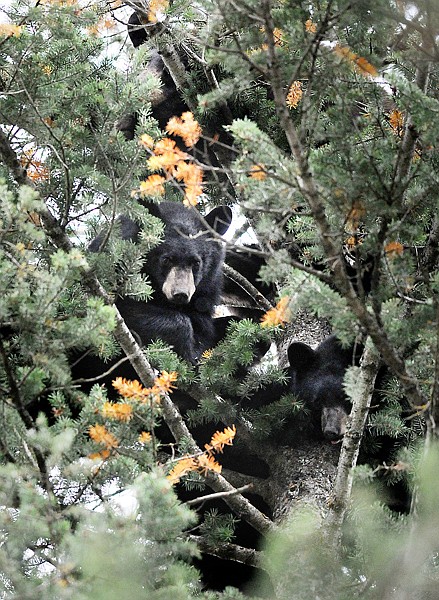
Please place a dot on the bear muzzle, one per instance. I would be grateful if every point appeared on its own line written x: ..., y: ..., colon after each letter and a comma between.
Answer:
x: 334, y: 423
x: 179, y: 285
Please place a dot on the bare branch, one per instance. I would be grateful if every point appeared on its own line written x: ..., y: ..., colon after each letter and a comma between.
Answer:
x: 247, y: 556
x: 202, y: 499
x: 249, y: 288
x: 352, y: 439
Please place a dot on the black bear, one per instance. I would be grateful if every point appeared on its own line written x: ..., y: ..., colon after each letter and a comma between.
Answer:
x: 166, y: 101
x: 185, y: 271
x: 316, y: 378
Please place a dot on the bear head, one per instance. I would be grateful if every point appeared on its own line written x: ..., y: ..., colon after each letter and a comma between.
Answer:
x: 316, y: 378
x: 185, y: 268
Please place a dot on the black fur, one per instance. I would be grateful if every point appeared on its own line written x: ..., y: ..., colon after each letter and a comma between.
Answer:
x: 136, y: 31
x: 185, y: 270
x: 316, y: 377
x: 166, y: 101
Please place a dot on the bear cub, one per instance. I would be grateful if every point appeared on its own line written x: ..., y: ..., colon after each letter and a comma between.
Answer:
x: 185, y: 271
x: 316, y: 377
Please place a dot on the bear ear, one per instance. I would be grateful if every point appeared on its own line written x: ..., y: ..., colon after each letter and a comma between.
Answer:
x: 301, y: 356
x: 153, y: 208
x: 219, y: 219
x: 129, y: 230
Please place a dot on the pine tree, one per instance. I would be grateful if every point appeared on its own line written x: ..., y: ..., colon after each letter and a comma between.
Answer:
x: 319, y: 123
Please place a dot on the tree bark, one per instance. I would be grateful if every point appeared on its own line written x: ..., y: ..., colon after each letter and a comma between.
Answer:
x: 340, y: 496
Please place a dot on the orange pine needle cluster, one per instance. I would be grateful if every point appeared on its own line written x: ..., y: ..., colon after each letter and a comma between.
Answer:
x: 117, y: 411
x: 35, y: 169
x: 207, y: 463
x: 128, y: 388
x: 163, y: 384
x: 152, y: 186
x: 184, y: 466
x: 310, y: 27
x: 167, y: 157
x: 192, y: 177
x: 157, y: 8
x: 145, y: 438
x: 185, y: 127
x: 102, y: 455
x: 200, y: 464
x: 393, y: 249
x: 361, y: 64
x: 47, y: 70
x: 279, y: 315
x: 258, y: 172
x: 221, y: 439
x: 278, y: 35
x: 103, y: 25
x: 396, y: 121
x: 294, y: 95
x: 101, y: 435
x: 203, y: 462
x: 354, y: 217
x: 167, y: 145
x: 10, y: 30
x: 146, y: 141
x: 352, y: 242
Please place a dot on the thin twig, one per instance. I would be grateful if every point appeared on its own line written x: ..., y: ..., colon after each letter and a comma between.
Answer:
x: 217, y: 495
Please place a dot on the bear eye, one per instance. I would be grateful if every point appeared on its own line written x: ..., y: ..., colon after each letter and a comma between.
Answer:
x: 167, y: 260
x: 196, y: 262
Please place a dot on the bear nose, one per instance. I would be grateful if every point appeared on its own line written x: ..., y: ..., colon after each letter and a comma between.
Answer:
x: 180, y: 298
x: 331, y: 434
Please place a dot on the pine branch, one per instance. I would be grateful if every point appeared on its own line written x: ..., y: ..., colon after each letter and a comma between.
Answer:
x: 430, y: 254
x: 247, y: 556
x: 410, y: 135
x: 26, y: 418
x: 351, y: 442
x: 9, y: 158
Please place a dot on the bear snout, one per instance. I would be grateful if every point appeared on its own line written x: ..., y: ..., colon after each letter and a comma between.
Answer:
x: 333, y: 423
x: 179, y: 285
x: 180, y: 298
x: 332, y: 434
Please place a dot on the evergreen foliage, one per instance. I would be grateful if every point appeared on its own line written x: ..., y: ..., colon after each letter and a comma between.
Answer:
x: 332, y: 110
